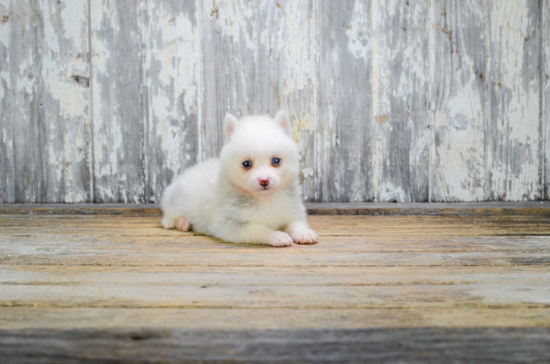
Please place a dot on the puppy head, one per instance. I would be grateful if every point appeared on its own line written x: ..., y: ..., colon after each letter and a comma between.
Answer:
x: 260, y: 156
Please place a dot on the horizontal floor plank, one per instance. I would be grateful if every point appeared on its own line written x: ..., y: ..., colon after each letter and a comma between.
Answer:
x: 244, y: 276
x: 395, y: 226
x: 381, y: 345
x: 19, y: 318
x: 52, y: 245
x: 534, y: 292
x: 424, y: 288
x: 280, y: 260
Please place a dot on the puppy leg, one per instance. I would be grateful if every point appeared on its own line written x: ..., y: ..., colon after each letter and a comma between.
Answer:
x: 255, y: 233
x: 168, y: 223
x: 301, y: 233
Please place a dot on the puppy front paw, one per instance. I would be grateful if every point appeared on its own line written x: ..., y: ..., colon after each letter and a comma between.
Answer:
x: 168, y: 223
x: 306, y: 236
x: 278, y: 238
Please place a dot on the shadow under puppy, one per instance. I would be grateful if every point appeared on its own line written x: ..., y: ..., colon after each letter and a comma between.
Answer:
x: 250, y: 194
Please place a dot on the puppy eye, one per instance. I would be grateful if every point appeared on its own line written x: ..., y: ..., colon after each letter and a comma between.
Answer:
x: 276, y: 161
x: 247, y: 164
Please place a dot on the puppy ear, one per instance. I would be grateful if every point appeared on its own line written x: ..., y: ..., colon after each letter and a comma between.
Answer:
x: 283, y: 120
x: 230, y: 123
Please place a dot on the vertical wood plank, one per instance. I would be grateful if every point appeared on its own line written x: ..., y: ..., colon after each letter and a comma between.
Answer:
x: 545, y: 79
x: 64, y: 100
x: 514, y: 91
x: 345, y: 101
x: 172, y: 66
x: 44, y: 77
x: 400, y: 134
x: 457, y: 98
x: 20, y: 167
x: 259, y: 58
x: 119, y: 100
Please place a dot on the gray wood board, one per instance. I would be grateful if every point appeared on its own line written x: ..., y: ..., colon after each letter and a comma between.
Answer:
x: 119, y: 100
x: 457, y: 100
x: 545, y: 84
x: 106, y: 101
x: 20, y: 164
x: 44, y: 94
x: 400, y: 134
x: 343, y: 131
x: 172, y: 67
x: 377, y: 345
x: 514, y: 130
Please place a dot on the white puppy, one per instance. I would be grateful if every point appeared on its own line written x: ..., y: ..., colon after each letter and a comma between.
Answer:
x: 250, y: 193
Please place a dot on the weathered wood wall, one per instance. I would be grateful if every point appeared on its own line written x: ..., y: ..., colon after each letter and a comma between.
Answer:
x: 391, y: 100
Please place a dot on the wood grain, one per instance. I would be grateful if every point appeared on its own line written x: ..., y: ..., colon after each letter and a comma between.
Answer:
x: 120, y: 100
x: 376, y: 288
x: 45, y: 97
x: 401, y: 138
x: 106, y: 101
x: 121, y: 288
x: 378, y: 345
x: 458, y: 100
x: 344, y: 88
x: 514, y: 100
x: 172, y: 79
x: 65, y: 100
x: 20, y: 163
x: 157, y: 319
x: 545, y: 86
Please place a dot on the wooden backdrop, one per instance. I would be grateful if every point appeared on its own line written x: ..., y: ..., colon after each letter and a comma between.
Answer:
x: 391, y: 100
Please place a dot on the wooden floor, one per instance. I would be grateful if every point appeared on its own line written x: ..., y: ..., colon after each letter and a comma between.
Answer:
x: 375, y: 288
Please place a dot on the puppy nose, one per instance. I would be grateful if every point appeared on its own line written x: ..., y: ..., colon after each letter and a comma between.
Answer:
x: 264, y: 182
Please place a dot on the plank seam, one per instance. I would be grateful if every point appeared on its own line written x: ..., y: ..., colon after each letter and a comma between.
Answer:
x: 146, y: 86
x: 381, y: 306
x: 316, y: 19
x: 431, y: 151
x: 91, y: 145
x: 542, y: 129
x: 35, y: 119
x: 201, y: 88
x: 543, y: 125
x: 487, y: 105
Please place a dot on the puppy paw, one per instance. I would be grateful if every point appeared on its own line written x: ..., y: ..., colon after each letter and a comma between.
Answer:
x: 183, y: 224
x: 306, y: 236
x: 168, y: 223
x: 278, y: 238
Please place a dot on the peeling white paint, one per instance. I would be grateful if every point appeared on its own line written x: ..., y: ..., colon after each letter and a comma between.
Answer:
x: 357, y: 32
x: 307, y: 172
x: 73, y: 16
x: 24, y: 82
x: 516, y: 113
x: 295, y: 34
x: 268, y: 59
x: 458, y: 101
x: 230, y: 16
x: 173, y: 48
x: 391, y: 193
x: 399, y: 43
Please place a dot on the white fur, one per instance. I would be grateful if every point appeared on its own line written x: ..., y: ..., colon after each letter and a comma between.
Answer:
x: 221, y: 198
